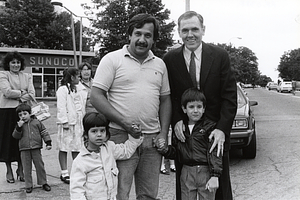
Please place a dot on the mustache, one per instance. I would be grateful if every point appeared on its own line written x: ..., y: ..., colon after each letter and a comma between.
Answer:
x: 141, y: 44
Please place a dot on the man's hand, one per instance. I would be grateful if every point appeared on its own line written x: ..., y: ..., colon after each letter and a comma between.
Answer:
x: 178, y: 129
x: 135, y: 130
x: 20, y: 123
x: 160, y: 143
x: 212, y: 184
x: 219, y: 139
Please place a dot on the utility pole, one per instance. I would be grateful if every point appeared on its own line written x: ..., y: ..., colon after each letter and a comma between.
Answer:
x: 187, y: 5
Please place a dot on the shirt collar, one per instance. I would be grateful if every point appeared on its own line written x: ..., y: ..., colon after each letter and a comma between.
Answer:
x: 84, y: 150
x: 197, y: 52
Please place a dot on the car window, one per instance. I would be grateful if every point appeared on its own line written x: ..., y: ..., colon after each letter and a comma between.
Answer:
x: 241, y: 99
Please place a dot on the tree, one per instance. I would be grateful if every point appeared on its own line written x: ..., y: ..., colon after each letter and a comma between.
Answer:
x: 24, y: 22
x: 289, y: 66
x: 244, y: 64
x: 263, y: 80
x: 34, y: 24
x: 114, y: 17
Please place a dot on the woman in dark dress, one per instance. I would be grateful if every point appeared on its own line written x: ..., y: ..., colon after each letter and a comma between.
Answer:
x: 15, y: 87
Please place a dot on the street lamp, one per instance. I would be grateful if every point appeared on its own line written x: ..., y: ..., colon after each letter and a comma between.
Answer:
x: 228, y: 42
x: 73, y: 32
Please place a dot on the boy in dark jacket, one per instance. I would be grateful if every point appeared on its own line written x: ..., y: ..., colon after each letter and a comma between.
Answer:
x: 201, y: 169
x: 30, y: 133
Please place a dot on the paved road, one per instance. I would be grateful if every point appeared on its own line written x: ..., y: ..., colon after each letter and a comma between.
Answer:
x: 273, y: 174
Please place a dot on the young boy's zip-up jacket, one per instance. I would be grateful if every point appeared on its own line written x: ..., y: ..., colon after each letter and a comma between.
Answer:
x: 195, y: 150
x: 30, y: 135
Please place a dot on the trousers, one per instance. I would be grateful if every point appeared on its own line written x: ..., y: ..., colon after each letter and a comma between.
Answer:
x: 35, y: 156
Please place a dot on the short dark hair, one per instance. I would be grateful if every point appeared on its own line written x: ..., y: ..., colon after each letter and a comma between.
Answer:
x: 23, y: 107
x: 94, y: 119
x: 188, y: 15
x: 10, y: 56
x: 139, y: 20
x: 192, y: 94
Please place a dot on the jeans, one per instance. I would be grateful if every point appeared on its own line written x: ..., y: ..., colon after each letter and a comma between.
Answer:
x: 144, y: 166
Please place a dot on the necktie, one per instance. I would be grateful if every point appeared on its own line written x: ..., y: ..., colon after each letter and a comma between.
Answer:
x: 192, y: 69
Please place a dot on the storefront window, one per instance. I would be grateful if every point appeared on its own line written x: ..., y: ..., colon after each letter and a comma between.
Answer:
x: 49, y: 86
x: 46, y: 80
x: 37, y: 70
x: 37, y: 83
x: 49, y: 70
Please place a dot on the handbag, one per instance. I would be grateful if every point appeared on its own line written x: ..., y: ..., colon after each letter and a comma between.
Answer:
x: 40, y: 110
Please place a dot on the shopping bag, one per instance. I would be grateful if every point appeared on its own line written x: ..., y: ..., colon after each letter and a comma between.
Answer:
x: 40, y: 110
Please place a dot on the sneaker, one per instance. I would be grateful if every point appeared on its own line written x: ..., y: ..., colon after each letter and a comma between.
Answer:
x: 29, y: 190
x: 65, y: 179
x: 46, y: 187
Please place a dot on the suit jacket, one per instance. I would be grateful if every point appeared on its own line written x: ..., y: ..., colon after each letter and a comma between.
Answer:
x: 217, y: 82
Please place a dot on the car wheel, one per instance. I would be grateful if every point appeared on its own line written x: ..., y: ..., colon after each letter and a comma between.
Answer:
x: 250, y: 151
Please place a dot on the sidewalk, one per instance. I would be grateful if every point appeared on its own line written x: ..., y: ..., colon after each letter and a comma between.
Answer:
x: 60, y: 190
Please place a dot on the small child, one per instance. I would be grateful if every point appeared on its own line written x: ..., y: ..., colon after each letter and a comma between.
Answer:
x: 30, y: 133
x: 201, y: 169
x: 94, y: 173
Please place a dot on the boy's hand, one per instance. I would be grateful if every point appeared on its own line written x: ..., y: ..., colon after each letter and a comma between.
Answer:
x: 20, y: 123
x: 48, y: 147
x: 213, y: 184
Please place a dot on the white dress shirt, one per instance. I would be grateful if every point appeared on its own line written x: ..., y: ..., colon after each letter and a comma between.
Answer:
x: 187, y: 58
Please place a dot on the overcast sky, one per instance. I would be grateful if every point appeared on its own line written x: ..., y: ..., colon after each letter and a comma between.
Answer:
x: 267, y: 27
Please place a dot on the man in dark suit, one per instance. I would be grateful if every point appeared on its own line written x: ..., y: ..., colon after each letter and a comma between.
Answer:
x: 209, y: 70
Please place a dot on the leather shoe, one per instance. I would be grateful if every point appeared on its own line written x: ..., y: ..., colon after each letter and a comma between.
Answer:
x: 12, y: 180
x: 29, y: 190
x: 173, y: 169
x: 65, y: 179
x: 46, y: 187
x: 165, y: 171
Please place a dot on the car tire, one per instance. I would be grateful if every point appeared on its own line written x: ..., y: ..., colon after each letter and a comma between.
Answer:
x: 249, y: 152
